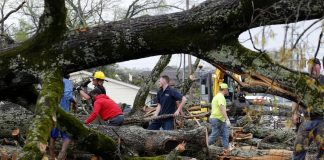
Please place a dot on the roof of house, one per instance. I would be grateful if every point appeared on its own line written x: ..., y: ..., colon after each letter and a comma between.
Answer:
x: 89, y: 74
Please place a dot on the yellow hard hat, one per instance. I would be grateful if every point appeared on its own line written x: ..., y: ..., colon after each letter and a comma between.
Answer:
x: 223, y: 86
x: 99, y: 75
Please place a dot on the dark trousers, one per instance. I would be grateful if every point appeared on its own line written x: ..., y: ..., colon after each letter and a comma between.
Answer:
x: 116, y: 121
x: 308, y: 131
x: 165, y: 124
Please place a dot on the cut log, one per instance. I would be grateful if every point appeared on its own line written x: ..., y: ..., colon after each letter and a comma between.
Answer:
x: 272, y: 154
x: 249, y: 153
x: 267, y: 134
x: 13, y: 116
x: 271, y: 135
x: 151, y: 142
x: 260, y: 144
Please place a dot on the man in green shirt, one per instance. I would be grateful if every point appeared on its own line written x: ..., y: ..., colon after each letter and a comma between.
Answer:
x: 218, y: 119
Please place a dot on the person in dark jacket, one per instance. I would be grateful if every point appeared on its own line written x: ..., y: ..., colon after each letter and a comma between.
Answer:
x: 167, y: 99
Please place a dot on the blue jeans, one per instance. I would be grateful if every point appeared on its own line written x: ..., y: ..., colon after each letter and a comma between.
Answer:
x: 166, y: 124
x: 308, y: 131
x: 56, y: 132
x: 219, y: 128
x: 116, y: 121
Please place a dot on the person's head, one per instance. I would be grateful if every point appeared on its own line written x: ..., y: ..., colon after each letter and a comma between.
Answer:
x: 223, y: 87
x: 96, y: 92
x: 164, y: 81
x: 314, y: 67
x: 66, y: 76
x: 98, y: 78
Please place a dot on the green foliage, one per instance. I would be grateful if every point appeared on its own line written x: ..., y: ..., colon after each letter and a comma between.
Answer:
x: 21, y: 33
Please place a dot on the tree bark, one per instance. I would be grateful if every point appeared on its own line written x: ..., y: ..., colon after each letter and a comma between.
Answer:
x: 85, y: 138
x: 260, y: 144
x: 45, y: 116
x: 13, y: 116
x: 252, y: 153
x: 267, y: 134
x: 139, y: 120
x: 142, y: 93
x: 209, y: 31
x: 215, y: 25
x: 137, y: 140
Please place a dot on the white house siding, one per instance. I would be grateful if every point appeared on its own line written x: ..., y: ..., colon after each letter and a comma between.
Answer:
x: 119, y: 91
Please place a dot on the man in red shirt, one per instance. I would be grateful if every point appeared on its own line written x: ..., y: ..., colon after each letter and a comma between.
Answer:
x: 106, y: 108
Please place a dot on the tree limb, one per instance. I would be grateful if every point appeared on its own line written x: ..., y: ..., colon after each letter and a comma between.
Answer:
x: 12, y: 11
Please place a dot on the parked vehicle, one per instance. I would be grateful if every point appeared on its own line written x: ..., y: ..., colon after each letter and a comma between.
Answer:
x: 259, y: 99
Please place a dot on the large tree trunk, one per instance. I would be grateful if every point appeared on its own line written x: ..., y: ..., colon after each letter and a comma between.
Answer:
x: 45, y: 115
x: 85, y: 138
x: 149, y: 81
x: 215, y: 26
x: 140, y: 141
x: 209, y: 31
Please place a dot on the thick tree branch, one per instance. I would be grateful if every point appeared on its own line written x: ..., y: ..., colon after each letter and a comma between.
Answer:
x: 85, y: 138
x: 45, y: 115
x: 287, y: 83
x: 209, y: 30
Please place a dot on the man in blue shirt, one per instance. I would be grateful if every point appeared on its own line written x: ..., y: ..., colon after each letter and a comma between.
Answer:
x: 66, y: 100
x: 167, y: 99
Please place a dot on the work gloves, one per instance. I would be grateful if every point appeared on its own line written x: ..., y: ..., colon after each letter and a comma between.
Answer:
x: 85, y: 84
x: 228, y: 123
x: 82, y: 85
x: 78, y: 88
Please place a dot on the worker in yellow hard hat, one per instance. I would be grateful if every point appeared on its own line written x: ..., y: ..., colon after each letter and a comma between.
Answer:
x: 98, y: 79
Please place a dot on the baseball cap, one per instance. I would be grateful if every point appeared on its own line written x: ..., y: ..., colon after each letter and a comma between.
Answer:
x: 223, y: 86
x: 317, y: 61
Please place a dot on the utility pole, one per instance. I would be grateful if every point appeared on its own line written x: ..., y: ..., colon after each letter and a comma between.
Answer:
x: 184, y: 56
x: 189, y: 56
x: 189, y: 60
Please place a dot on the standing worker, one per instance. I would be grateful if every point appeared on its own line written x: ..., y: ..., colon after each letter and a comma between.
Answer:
x: 219, y: 119
x: 66, y: 100
x: 98, y: 81
x: 167, y: 99
x: 313, y: 126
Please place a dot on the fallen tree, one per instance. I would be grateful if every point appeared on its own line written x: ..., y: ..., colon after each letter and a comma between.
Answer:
x: 139, y: 141
x: 209, y: 31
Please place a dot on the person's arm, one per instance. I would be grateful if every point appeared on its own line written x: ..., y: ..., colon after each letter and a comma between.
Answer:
x: 223, y: 111
x: 295, y: 113
x: 183, y: 102
x: 157, y: 110
x: 94, y: 113
x: 84, y: 95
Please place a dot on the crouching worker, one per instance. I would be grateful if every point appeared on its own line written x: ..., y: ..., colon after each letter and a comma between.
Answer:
x: 106, y: 108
